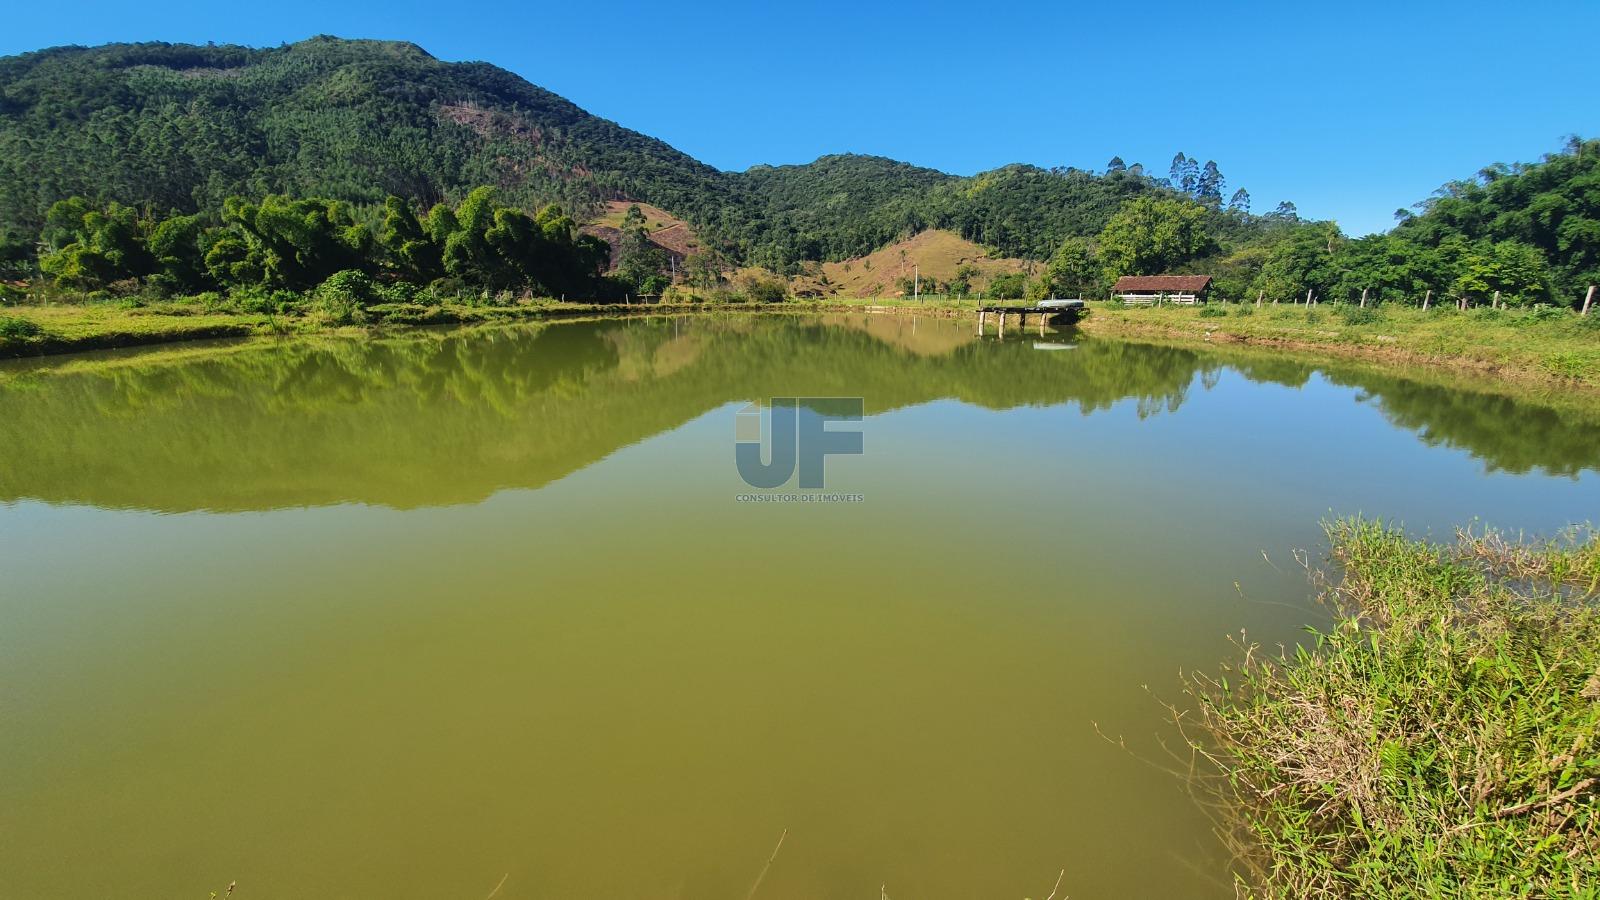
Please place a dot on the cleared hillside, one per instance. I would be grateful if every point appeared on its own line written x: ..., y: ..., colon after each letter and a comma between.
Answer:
x: 665, y: 230
x: 938, y: 254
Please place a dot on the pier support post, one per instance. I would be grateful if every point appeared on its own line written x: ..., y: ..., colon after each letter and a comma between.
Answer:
x: 982, y: 315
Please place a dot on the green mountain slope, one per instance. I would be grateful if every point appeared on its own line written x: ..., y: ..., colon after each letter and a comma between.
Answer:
x: 181, y: 127
x: 178, y: 128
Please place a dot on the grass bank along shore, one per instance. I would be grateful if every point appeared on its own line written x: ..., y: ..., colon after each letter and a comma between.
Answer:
x: 1540, y: 345
x: 1441, y: 739
x: 73, y: 327
x: 43, y: 329
x: 1543, y: 346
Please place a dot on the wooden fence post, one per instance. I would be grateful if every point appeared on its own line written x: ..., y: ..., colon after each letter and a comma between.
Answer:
x: 1308, y: 296
x: 1589, y: 300
x: 1363, y: 298
x: 1263, y: 293
x: 1425, y: 298
x: 1495, y: 304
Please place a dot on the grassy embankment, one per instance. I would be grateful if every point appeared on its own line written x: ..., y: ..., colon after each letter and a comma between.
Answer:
x: 1552, y: 346
x: 1547, y: 348
x: 32, y: 329
x: 1441, y: 739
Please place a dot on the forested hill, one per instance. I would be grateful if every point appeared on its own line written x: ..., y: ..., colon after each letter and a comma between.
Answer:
x: 180, y: 128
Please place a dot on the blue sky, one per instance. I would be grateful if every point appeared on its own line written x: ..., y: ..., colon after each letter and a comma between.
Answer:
x: 1350, y: 110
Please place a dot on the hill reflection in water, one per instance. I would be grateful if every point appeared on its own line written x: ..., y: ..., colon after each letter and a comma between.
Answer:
x: 449, y: 417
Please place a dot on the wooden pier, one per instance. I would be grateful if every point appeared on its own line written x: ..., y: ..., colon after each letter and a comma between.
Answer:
x: 1022, y: 313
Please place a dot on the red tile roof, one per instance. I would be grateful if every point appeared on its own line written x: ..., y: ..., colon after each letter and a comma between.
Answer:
x: 1176, y: 284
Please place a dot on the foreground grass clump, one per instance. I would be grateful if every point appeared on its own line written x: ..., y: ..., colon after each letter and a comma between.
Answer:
x: 1442, y: 739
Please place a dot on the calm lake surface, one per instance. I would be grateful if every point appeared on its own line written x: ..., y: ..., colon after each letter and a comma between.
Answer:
x: 416, y: 617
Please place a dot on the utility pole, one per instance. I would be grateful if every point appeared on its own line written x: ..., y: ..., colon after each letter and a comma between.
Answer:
x: 916, y: 284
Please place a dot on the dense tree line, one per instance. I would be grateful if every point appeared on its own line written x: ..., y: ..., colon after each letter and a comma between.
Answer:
x: 282, y: 243
x: 1525, y: 234
x: 1508, y: 213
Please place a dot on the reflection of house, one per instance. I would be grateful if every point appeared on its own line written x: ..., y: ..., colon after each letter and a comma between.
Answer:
x: 1162, y: 288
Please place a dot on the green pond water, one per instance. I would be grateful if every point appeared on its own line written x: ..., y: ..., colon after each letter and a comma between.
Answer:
x: 422, y: 616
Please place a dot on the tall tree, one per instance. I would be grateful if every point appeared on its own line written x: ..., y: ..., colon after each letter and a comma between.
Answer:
x: 1209, y: 185
x: 1149, y: 236
x: 1240, y: 202
x: 1185, y: 173
x: 1073, y: 271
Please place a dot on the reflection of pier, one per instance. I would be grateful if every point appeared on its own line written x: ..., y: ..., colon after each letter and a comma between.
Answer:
x: 1045, y: 313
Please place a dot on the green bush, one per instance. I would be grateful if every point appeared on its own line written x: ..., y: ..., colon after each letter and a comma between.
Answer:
x: 397, y: 292
x: 1212, y: 312
x: 1245, y: 310
x: 1360, y: 315
x: 263, y: 301
x: 764, y: 290
x: 345, y: 295
x: 1010, y: 286
x: 15, y: 328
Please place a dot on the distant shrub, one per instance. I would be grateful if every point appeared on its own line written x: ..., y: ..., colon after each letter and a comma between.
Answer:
x: 758, y: 289
x: 345, y: 295
x: 1245, y: 310
x: 11, y: 295
x: 397, y: 292
x: 350, y: 285
x: 1313, y: 317
x: 1360, y: 315
x: 262, y: 301
x: 1116, y: 303
x: 1212, y: 312
x: 1010, y: 286
x: 1489, y: 314
x: 15, y: 328
x: 1544, y: 313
